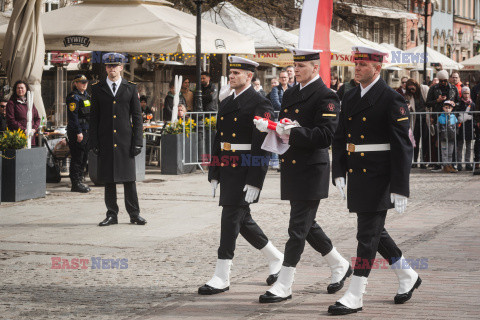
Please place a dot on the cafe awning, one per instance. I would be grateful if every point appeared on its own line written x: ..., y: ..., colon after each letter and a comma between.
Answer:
x: 143, y: 26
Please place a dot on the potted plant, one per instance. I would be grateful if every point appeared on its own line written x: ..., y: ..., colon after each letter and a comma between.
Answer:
x: 172, y: 148
x: 23, y: 170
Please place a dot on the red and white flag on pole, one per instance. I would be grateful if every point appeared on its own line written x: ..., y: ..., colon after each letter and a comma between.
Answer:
x: 315, y: 24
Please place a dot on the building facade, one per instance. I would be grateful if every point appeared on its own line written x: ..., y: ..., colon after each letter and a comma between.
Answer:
x: 464, y: 23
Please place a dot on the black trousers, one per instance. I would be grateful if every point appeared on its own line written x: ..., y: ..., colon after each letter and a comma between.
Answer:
x: 303, y: 227
x: 420, y: 134
x: 235, y: 220
x: 372, y: 238
x: 131, y: 199
x: 79, y: 156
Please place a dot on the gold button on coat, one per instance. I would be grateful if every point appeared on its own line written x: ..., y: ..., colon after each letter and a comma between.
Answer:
x: 234, y: 165
x: 350, y: 170
x: 362, y: 136
x: 221, y: 133
x: 364, y: 119
x: 115, y: 145
x: 235, y: 119
x: 285, y: 110
x: 114, y: 102
x: 364, y: 170
x: 223, y: 164
x: 114, y: 131
x: 221, y: 118
x: 283, y: 160
x: 293, y: 161
x: 114, y: 116
x: 348, y: 152
x: 362, y: 154
x: 297, y: 111
x: 233, y: 150
x: 233, y: 135
x: 350, y: 118
x: 349, y: 135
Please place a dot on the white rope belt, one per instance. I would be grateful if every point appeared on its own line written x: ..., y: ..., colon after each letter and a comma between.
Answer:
x: 367, y: 147
x: 235, y: 146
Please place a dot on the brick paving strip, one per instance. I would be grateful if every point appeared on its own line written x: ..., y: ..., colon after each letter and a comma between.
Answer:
x: 176, y: 251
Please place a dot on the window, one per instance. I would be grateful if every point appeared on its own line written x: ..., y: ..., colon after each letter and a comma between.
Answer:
x: 376, y: 32
x: 361, y: 29
x: 51, y: 5
x: 450, y: 6
x: 412, y: 35
x: 393, y: 33
x: 443, y: 5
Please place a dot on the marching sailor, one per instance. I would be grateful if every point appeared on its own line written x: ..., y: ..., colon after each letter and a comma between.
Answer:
x: 373, y: 152
x: 239, y: 165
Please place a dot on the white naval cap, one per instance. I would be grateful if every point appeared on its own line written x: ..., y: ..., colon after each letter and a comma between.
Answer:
x: 362, y: 53
x: 242, y: 63
x: 305, y: 54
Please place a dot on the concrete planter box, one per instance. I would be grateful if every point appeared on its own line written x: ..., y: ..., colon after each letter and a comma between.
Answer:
x: 139, y: 166
x: 24, y: 174
x: 172, y: 153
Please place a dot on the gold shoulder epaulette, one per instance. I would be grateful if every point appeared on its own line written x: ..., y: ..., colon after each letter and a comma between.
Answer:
x: 132, y: 82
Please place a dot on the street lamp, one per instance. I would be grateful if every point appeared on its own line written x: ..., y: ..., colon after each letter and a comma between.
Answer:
x: 198, y: 50
x: 460, y: 35
x: 423, y: 33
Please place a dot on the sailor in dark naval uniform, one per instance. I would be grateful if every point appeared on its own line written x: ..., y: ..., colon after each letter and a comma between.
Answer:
x: 78, y: 113
x: 305, y: 171
x: 116, y: 136
x: 373, y: 153
x: 239, y: 165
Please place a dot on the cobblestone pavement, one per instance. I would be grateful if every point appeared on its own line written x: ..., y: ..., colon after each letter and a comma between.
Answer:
x: 176, y: 252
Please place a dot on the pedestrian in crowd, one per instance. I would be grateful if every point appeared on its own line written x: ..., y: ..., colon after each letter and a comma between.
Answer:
x: 334, y: 82
x: 3, y: 115
x: 457, y: 83
x: 258, y: 86
x: 116, y: 137
x: 240, y: 183
x: 187, y: 94
x: 146, y: 110
x: 372, y: 147
x: 437, y: 94
x: 291, y: 76
x: 419, y: 122
x: 434, y: 82
x: 305, y: 172
x: 182, y: 111
x: 17, y: 110
x: 403, y: 86
x: 277, y: 92
x: 467, y: 84
x: 428, y: 81
x: 78, y: 115
x: 273, y: 83
x: 347, y: 86
x: 465, y: 131
x: 447, y: 131
x: 168, y: 103
x: 209, y: 93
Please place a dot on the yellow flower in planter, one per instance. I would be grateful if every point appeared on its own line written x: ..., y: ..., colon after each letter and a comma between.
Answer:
x: 13, y: 140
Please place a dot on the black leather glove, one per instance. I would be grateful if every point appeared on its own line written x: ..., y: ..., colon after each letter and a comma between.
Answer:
x: 136, y: 150
x: 95, y: 151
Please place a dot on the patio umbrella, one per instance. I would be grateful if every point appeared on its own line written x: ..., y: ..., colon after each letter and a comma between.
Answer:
x: 24, y: 48
x: 140, y: 26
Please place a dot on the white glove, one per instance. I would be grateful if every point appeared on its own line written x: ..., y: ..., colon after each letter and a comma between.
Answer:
x: 252, y: 193
x: 214, y: 184
x: 225, y: 89
x: 261, y: 124
x: 399, y: 201
x: 340, y: 184
x: 282, y: 131
x: 176, y: 97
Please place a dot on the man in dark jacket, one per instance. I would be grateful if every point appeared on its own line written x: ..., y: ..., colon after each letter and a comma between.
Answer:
x: 168, y: 104
x: 116, y: 136
x: 441, y: 92
x: 239, y: 165
x: 373, y: 149
x: 305, y: 172
x: 209, y: 93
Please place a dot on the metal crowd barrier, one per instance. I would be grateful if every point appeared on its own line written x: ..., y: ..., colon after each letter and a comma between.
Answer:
x: 462, y: 140
x: 438, y: 145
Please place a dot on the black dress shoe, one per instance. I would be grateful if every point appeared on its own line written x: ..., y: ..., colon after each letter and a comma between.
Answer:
x: 207, y: 290
x: 404, y: 297
x: 272, y: 278
x: 108, y: 221
x: 340, y: 309
x: 138, y: 220
x: 334, y: 287
x: 269, y: 297
x: 80, y: 187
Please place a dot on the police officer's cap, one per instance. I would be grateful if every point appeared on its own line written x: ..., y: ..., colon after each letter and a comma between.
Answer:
x: 114, y: 58
x: 300, y: 55
x: 242, y: 63
x: 361, y: 53
x: 80, y: 78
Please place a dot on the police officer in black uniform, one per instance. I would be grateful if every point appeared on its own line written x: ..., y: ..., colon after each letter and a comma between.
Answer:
x: 116, y: 137
x: 78, y: 103
x: 372, y: 150
x: 305, y: 171
x: 239, y: 165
